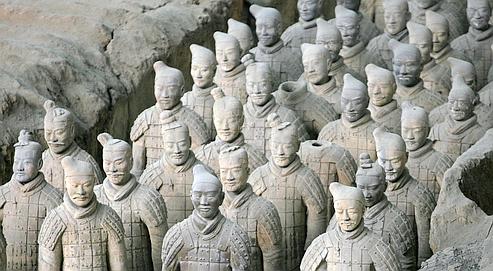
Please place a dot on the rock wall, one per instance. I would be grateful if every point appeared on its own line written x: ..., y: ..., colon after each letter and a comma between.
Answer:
x: 93, y: 57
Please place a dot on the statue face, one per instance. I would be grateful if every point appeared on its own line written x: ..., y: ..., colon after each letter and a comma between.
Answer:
x: 167, y: 93
x: 228, y: 125
x: 176, y: 146
x: 349, y: 214
x: 59, y: 136
x: 350, y: 4
x: 316, y: 70
x: 233, y: 175
x: 407, y: 70
x: 414, y: 133
x: 349, y: 29
x: 393, y: 162
x: 425, y: 50
x: 259, y: 88
x: 395, y: 19
x: 26, y: 166
x: 117, y: 165
x: 372, y: 187
x: 309, y: 9
x: 268, y: 31
x: 381, y: 92
x: 460, y: 108
x: 202, y: 74
x: 283, y: 149
x: 227, y: 56
x: 80, y: 189
x: 206, y: 199
x: 424, y: 4
x: 353, y: 105
x: 333, y: 45
x: 440, y: 40
x: 478, y: 15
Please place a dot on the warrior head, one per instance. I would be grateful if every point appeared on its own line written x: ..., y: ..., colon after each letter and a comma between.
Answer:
x: 465, y: 69
x: 381, y: 85
x: 349, y: 205
x: 27, y: 158
x: 242, y: 33
x: 168, y: 85
x: 461, y: 100
x: 422, y: 38
x: 395, y: 14
x: 329, y: 36
x: 203, y: 66
x: 228, y: 51
x: 354, y: 99
x: 391, y: 152
x: 284, y: 141
x: 59, y: 127
x: 309, y: 9
x: 370, y: 178
x: 207, y: 193
x: 233, y: 168
x: 347, y: 21
x: 406, y: 63
x: 228, y: 115
x: 268, y: 23
x: 478, y: 14
x: 415, y: 126
x: 259, y: 83
x: 117, y: 159
x: 176, y: 139
x: 79, y: 179
x: 439, y: 27
x: 315, y: 63
x: 350, y: 4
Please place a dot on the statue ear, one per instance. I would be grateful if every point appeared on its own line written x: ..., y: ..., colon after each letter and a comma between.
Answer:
x: 40, y: 163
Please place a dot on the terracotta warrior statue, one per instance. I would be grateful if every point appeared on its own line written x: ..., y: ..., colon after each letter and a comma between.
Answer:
x: 230, y: 74
x: 350, y: 245
x: 206, y: 240
x: 460, y: 129
x: 305, y: 30
x: 396, y: 14
x: 383, y: 107
x: 405, y: 192
x: 228, y: 119
x: 435, y: 77
x: 81, y: 233
x: 383, y: 217
x: 243, y: 34
x: 145, y: 134
x: 441, y: 49
x: 424, y: 163
x: 483, y: 108
x: 141, y: 208
x: 256, y: 215
x: 24, y: 202
x: 354, y: 130
x: 354, y: 52
x: 317, y: 63
x: 59, y: 133
x: 202, y: 70
x: 476, y: 43
x: 407, y: 69
x: 368, y: 30
x: 285, y: 181
x: 329, y: 36
x: 260, y: 104
x: 172, y: 174
x: 284, y: 61
x: 313, y: 111
x: 331, y: 162
x: 454, y: 13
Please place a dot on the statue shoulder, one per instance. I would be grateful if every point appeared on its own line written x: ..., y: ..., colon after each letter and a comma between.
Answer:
x: 239, y: 244
x: 52, y: 196
x: 256, y: 179
x: 112, y: 223
x: 329, y: 131
x: 172, y: 245
x: 141, y: 124
x: 312, y: 189
x: 152, y: 175
x: 423, y: 199
x: 382, y: 254
x: 152, y: 206
x: 316, y: 253
x: 402, y: 229
x: 268, y: 218
x: 53, y: 227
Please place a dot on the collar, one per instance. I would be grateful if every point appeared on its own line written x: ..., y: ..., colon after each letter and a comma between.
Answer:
x: 271, y: 49
x: 173, y: 111
x: 458, y: 127
x: 295, y: 96
x: 399, y: 36
x: 336, y: 66
x: 428, y: 66
x: 364, y: 119
x: 232, y: 200
x: 208, y: 227
x: 323, y: 89
x: 479, y: 35
x: 79, y: 212
x: 263, y: 110
x: 117, y: 193
x: 406, y: 92
x: 443, y: 54
x: 165, y: 163
x: 232, y: 73
x: 348, y: 52
x: 426, y: 148
x: 378, y: 112
x: 352, y: 234
x: 401, y: 182
x: 308, y: 24
x: 202, y: 92
x: 30, y: 186
x: 283, y: 172
x: 376, y: 209
x: 68, y: 152
x: 238, y: 141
